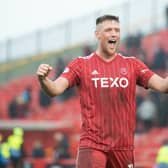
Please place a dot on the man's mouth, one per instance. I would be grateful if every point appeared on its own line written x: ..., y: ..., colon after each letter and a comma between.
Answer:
x: 112, y: 43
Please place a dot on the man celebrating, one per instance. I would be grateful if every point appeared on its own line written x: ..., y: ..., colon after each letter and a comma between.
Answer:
x: 107, y: 82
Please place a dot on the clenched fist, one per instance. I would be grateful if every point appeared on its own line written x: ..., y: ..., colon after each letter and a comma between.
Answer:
x: 43, y: 70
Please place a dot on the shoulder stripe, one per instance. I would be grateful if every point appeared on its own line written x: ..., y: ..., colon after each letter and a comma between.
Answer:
x: 87, y: 57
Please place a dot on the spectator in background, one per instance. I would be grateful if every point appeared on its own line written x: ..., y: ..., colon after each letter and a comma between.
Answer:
x: 60, y: 65
x: 12, y: 108
x: 26, y: 97
x: 61, y: 148
x: 27, y: 94
x: 141, y: 54
x: 15, y: 141
x: 147, y: 112
x: 162, y: 156
x: 4, y: 153
x: 159, y: 62
x: 19, y: 107
x: 38, y: 150
x: 139, y: 96
x: 133, y: 43
x: 44, y: 99
x: 156, y: 98
x: 163, y: 116
x: 139, y: 99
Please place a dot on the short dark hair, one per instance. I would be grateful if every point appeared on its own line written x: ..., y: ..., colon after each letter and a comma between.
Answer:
x: 106, y: 17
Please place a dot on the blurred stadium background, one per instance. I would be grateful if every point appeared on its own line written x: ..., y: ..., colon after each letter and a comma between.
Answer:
x: 54, y: 124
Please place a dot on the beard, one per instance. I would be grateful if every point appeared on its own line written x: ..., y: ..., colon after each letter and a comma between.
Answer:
x: 109, y: 51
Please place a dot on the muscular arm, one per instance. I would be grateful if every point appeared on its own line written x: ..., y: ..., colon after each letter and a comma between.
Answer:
x: 158, y: 83
x: 52, y: 88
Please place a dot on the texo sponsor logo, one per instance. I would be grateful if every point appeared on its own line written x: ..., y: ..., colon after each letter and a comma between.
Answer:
x: 110, y: 82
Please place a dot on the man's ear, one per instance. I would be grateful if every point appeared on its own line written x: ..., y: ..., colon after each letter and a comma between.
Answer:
x: 97, y: 34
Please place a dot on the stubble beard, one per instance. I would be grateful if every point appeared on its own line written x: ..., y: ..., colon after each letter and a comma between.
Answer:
x: 110, y: 52
x: 106, y: 52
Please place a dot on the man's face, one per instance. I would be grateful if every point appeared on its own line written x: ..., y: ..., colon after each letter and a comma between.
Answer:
x: 108, y: 35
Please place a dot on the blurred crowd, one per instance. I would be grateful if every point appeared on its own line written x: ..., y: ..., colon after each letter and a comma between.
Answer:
x: 11, y: 149
x: 151, y: 106
x: 14, y: 155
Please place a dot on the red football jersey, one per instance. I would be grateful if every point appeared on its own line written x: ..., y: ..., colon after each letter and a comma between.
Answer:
x: 107, y: 96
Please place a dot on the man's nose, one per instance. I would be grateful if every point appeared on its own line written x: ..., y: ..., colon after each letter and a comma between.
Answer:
x: 113, y: 33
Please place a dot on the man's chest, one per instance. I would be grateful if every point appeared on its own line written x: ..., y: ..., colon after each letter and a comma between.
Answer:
x: 106, y: 76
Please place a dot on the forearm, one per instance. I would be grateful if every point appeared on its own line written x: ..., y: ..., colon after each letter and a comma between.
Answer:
x: 48, y: 86
x: 158, y: 83
x: 52, y: 88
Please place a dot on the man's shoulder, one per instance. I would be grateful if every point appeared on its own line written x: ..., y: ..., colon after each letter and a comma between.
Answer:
x: 80, y: 60
x: 126, y: 57
x: 88, y: 57
x: 130, y: 59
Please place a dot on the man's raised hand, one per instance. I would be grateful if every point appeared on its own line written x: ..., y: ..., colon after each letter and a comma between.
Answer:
x: 43, y: 70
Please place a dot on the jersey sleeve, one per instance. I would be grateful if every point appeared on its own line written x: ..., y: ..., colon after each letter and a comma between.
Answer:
x: 143, y: 73
x: 72, y: 72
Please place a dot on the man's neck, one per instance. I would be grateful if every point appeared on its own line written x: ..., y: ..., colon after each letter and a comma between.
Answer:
x: 105, y: 56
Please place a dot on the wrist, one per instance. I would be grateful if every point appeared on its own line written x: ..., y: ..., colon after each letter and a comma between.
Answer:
x: 42, y: 78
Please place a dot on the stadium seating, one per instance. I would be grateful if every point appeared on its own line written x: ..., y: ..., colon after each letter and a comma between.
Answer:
x: 151, y: 42
x: 147, y: 145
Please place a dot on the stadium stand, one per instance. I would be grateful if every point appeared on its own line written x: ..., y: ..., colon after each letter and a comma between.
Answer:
x: 147, y: 145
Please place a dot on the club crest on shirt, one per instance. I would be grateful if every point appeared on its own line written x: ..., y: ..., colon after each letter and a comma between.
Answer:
x: 66, y: 70
x: 123, y: 71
